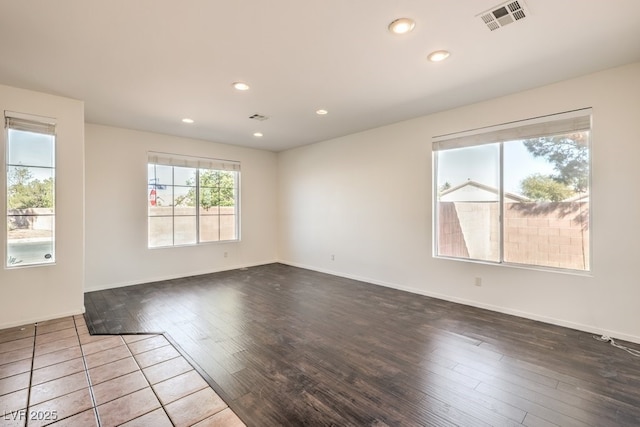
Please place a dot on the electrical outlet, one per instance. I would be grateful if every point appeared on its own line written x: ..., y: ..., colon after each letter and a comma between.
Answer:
x: 478, y: 281
x: 226, y: 254
x: 333, y: 257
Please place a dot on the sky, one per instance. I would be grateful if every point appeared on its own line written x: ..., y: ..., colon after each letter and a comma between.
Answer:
x: 35, y: 151
x: 481, y: 164
x: 30, y: 149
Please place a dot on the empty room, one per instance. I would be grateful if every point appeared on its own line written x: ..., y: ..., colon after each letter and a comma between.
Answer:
x: 340, y: 213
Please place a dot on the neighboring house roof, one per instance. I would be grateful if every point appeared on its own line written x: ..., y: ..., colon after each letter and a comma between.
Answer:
x: 472, y: 191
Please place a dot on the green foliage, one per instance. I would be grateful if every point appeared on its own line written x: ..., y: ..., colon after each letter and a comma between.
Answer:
x: 569, y: 155
x: 444, y: 187
x: 24, y: 192
x: 545, y: 188
x: 217, y: 188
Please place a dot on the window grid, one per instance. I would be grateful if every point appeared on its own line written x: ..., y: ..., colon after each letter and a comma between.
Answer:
x: 205, y: 210
x: 30, y: 192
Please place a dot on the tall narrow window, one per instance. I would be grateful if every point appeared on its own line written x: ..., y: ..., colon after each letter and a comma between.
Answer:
x: 30, y: 184
x: 516, y: 193
x: 192, y: 200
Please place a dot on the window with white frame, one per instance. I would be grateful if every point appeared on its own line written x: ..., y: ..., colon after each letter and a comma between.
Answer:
x: 192, y: 200
x: 516, y: 193
x: 30, y: 189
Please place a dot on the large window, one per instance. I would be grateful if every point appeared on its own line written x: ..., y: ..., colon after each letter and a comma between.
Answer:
x: 30, y: 184
x: 192, y: 200
x: 516, y: 193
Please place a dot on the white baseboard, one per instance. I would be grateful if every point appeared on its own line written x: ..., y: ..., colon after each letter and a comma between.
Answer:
x: 505, y: 310
x: 33, y: 320
x: 171, y: 277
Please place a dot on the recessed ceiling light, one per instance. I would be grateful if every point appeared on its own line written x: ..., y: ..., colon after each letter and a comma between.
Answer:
x: 187, y: 120
x: 438, y: 55
x: 402, y: 25
x: 258, y: 134
x: 240, y: 86
x: 322, y: 112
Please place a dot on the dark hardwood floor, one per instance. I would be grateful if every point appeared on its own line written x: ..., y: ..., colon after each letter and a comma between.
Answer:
x: 288, y: 346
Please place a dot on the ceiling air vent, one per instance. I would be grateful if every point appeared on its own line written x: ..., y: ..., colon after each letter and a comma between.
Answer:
x: 504, y: 14
x: 258, y: 117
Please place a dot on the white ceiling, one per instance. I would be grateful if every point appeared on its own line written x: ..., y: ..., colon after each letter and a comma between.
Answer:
x: 146, y: 64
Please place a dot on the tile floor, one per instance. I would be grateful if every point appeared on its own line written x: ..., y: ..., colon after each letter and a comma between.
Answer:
x: 55, y: 373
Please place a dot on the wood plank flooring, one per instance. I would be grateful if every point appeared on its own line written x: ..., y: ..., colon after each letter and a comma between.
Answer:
x: 288, y: 346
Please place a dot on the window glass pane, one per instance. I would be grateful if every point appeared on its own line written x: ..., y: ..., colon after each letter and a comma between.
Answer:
x: 160, y: 231
x: 209, y: 178
x: 30, y: 149
x: 30, y: 188
x: 228, y: 227
x: 30, y: 198
x: 160, y: 201
x: 209, y: 228
x: 227, y: 210
x: 227, y: 196
x: 30, y: 240
x: 209, y: 201
x: 160, y: 190
x: 228, y: 179
x: 185, y: 230
x: 542, y: 184
x: 212, y: 197
x: 160, y: 176
x: 174, y: 192
x: 468, y: 181
x: 184, y: 176
x: 551, y: 226
x: 184, y: 200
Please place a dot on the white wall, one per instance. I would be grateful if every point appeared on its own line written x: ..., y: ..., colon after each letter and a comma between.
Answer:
x: 116, y: 206
x: 366, y: 198
x: 37, y: 293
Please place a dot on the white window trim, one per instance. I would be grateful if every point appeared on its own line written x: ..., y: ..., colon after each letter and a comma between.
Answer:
x: 179, y: 160
x: 557, y: 123
x: 37, y: 124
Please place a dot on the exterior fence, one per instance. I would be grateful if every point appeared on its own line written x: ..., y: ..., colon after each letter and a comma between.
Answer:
x: 168, y: 226
x: 550, y: 234
x: 32, y: 222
